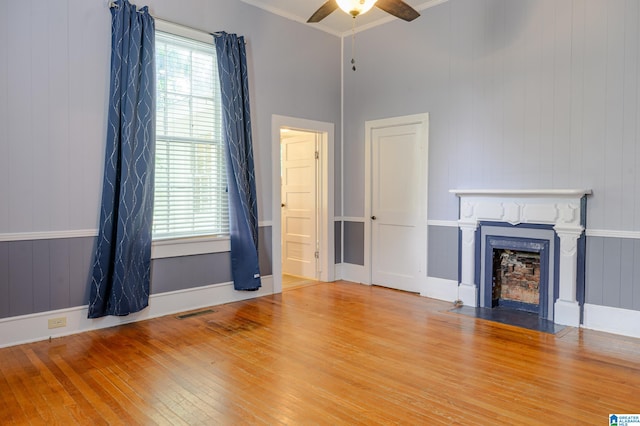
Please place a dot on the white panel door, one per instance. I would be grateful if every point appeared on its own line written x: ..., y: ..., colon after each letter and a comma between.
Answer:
x: 299, y: 204
x: 398, y: 206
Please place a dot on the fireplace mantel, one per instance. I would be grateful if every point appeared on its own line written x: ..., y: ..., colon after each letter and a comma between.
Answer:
x: 563, y: 209
x: 558, y: 207
x: 551, y: 193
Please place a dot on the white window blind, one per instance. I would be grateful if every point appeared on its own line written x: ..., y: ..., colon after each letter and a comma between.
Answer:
x: 190, y: 177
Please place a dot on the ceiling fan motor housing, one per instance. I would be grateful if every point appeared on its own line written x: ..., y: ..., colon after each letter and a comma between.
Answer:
x: 397, y: 8
x: 356, y: 7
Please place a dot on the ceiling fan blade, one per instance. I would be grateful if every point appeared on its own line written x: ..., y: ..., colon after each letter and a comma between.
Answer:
x: 398, y: 8
x: 324, y: 11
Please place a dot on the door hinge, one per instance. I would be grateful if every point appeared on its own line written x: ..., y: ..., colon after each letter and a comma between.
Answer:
x: 317, y: 255
x: 317, y: 155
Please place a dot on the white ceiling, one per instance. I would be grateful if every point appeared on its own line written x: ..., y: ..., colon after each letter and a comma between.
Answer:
x: 338, y: 23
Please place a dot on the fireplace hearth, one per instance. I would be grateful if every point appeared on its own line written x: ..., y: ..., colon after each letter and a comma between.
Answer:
x: 522, y: 319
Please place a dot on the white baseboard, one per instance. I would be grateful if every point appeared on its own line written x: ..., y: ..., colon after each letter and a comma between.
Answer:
x: 468, y: 293
x: 612, y: 320
x: 34, y: 327
x: 441, y: 289
x: 566, y: 313
x: 338, y: 272
x: 354, y: 273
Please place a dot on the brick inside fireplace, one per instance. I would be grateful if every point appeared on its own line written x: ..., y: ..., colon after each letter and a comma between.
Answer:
x: 516, y: 279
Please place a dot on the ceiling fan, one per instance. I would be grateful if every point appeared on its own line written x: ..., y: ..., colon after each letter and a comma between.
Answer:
x: 397, y: 8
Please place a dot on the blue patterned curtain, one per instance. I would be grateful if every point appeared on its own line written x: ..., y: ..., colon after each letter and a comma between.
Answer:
x: 236, y: 122
x: 121, y: 268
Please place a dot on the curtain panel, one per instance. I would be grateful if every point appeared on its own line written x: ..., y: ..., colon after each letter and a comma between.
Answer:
x: 121, y: 267
x: 236, y: 122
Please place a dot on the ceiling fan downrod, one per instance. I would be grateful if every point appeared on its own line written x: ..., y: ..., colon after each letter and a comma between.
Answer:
x: 353, y: 45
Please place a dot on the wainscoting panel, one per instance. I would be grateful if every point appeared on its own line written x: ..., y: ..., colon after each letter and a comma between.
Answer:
x: 60, y: 273
x: 338, y: 241
x: 443, y: 252
x: 40, y: 275
x: 180, y: 273
x: 20, y: 278
x: 44, y: 275
x: 594, y: 273
x: 264, y: 250
x: 354, y: 243
x: 42, y: 272
x: 4, y: 280
x: 613, y: 272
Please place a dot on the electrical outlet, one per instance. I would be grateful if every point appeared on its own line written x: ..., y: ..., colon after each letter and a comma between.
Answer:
x: 58, y: 322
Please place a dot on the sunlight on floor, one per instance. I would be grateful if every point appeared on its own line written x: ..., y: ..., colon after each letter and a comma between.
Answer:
x: 290, y: 282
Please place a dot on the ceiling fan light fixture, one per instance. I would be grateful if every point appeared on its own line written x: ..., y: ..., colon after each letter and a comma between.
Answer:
x: 356, y: 7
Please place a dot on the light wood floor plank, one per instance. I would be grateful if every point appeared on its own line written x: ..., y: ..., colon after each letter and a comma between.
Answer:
x: 322, y: 353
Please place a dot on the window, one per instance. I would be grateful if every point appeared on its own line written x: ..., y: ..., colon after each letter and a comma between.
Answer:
x: 190, y: 177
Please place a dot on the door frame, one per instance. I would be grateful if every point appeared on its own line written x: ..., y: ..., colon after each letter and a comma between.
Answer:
x: 370, y: 125
x: 326, y: 233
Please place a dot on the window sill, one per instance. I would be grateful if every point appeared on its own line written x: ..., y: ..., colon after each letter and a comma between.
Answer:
x: 189, y: 246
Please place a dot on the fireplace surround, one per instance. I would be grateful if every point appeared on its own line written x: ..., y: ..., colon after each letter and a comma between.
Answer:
x: 556, y: 215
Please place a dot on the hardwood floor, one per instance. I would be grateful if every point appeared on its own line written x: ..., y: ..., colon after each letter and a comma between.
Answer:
x: 331, y: 353
x: 290, y: 282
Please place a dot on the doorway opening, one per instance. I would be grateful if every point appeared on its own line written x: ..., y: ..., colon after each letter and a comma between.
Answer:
x: 300, y: 190
x: 303, y: 186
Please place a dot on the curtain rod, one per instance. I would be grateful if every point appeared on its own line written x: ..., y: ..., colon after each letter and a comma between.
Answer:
x: 114, y: 4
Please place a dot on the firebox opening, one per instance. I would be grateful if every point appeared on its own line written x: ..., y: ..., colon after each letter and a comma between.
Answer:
x: 516, y: 280
x: 517, y: 275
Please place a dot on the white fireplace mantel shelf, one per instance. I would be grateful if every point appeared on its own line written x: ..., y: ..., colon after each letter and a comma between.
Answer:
x: 551, y: 193
x: 559, y: 207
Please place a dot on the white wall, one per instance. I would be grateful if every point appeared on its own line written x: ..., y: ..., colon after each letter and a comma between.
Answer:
x: 54, y: 56
x: 54, y: 84
x: 54, y: 65
x: 521, y: 94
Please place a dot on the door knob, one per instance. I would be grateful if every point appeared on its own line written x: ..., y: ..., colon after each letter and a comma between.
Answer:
x: 373, y: 218
x: 282, y: 205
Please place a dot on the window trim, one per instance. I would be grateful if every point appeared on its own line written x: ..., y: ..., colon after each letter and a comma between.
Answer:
x: 189, y: 246
x: 180, y: 30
